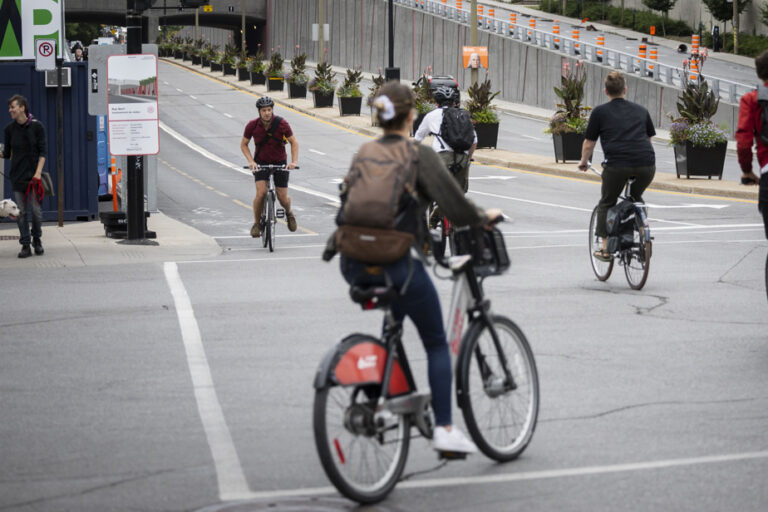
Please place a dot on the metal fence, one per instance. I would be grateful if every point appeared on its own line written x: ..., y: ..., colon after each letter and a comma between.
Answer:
x: 628, y: 63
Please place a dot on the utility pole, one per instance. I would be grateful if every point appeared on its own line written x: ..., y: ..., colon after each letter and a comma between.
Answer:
x: 197, y: 21
x: 320, y: 31
x: 242, y: 34
x: 735, y: 27
x: 135, y: 203
x: 473, y: 37
x: 391, y: 72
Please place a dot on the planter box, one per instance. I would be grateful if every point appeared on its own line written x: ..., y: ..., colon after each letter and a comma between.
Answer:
x: 693, y: 161
x: 323, y: 100
x: 196, y: 59
x: 243, y: 74
x: 487, y: 134
x: 187, y: 56
x: 216, y: 66
x: 275, y: 84
x: 297, y: 91
x: 258, y: 78
x: 205, y: 62
x: 229, y: 69
x: 350, y: 106
x: 178, y: 54
x: 567, y: 146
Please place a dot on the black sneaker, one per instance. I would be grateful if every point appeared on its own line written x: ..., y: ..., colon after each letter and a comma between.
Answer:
x: 38, y: 246
x: 25, y: 251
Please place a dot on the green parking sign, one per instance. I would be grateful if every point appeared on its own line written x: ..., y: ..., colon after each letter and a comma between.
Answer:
x: 22, y: 22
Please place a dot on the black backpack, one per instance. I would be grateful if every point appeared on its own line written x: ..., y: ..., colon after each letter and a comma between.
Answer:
x: 456, y: 130
x: 762, y: 100
x: 620, y: 221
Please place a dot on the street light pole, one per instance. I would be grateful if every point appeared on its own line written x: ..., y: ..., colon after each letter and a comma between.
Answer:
x: 391, y: 72
x: 735, y: 27
x: 320, y: 31
x: 242, y: 29
x: 473, y: 37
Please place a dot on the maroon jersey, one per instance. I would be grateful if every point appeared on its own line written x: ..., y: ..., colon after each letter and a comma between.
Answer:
x: 269, y: 150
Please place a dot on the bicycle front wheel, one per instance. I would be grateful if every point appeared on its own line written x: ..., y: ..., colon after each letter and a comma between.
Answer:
x: 500, y: 414
x: 638, y: 259
x: 766, y: 275
x: 602, y: 269
x: 273, y: 225
x: 363, y: 460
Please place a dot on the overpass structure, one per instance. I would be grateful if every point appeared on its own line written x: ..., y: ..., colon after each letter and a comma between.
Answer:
x: 224, y: 14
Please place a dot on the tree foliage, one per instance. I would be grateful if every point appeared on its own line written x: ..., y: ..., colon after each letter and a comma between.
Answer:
x: 722, y: 10
x: 83, y: 32
x: 660, y: 5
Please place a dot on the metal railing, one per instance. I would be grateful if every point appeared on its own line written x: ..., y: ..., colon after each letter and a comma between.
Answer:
x: 628, y: 63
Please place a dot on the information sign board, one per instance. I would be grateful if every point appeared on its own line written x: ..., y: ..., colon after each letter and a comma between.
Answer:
x: 132, y: 105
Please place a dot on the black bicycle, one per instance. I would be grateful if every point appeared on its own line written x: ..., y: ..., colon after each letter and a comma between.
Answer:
x: 634, y: 254
x: 270, y: 214
x: 366, y: 399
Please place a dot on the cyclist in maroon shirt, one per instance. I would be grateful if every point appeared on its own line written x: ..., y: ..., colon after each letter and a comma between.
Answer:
x: 270, y: 134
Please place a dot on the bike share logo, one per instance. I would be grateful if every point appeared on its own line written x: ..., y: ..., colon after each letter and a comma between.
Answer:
x: 24, y: 21
x: 367, y: 362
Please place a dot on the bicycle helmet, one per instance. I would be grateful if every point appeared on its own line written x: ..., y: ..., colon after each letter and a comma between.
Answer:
x: 263, y: 102
x: 444, y: 95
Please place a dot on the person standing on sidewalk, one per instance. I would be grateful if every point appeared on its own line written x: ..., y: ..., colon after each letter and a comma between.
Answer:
x: 750, y: 131
x: 625, y: 130
x: 270, y: 133
x: 25, y: 145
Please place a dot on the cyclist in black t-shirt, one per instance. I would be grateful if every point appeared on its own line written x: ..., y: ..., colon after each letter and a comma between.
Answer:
x: 625, y: 130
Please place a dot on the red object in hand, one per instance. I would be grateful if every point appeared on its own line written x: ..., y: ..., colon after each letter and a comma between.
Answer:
x: 36, y: 187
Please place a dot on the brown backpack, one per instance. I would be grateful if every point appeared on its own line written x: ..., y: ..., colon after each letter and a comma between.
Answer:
x: 377, y: 219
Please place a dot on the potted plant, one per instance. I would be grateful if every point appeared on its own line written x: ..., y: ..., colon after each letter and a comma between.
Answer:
x: 569, y: 122
x: 208, y: 54
x: 483, y: 114
x: 178, y: 47
x: 350, y: 96
x: 197, y: 52
x: 297, y: 77
x: 188, y: 47
x: 424, y: 102
x: 378, y: 81
x: 275, y: 72
x: 257, y: 67
x: 228, y: 60
x: 322, y: 85
x: 216, y: 60
x: 242, y: 66
x: 700, y: 145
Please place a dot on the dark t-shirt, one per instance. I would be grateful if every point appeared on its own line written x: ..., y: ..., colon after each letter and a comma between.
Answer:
x: 273, y: 150
x: 24, y: 145
x: 624, y: 129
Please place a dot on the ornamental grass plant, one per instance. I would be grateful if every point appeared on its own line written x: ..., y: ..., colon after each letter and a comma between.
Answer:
x: 696, y: 107
x: 571, y: 116
x: 479, y: 104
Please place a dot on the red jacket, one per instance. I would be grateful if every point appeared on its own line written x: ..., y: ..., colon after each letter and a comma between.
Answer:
x: 747, y: 132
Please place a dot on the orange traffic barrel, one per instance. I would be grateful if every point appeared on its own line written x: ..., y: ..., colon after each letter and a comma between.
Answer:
x: 695, y: 44
x: 556, y: 31
x: 532, y: 26
x: 694, y: 69
x: 600, y: 45
x: 654, y: 56
x: 642, y: 51
x: 512, y: 22
x: 480, y: 15
x: 575, y: 37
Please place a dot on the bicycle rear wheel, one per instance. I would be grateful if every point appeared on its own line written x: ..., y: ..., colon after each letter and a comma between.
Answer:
x: 638, y: 259
x: 500, y: 419
x: 364, y: 461
x: 272, y: 223
x: 602, y: 269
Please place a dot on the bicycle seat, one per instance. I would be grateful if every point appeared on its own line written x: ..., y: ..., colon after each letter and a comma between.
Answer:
x: 373, y: 296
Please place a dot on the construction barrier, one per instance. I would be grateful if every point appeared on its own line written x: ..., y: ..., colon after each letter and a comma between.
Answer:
x: 695, y: 44
x: 556, y: 31
x: 480, y: 15
x: 491, y: 14
x: 575, y: 37
x: 532, y: 26
x: 600, y: 46
x: 512, y: 23
x: 694, y: 69
x: 654, y: 57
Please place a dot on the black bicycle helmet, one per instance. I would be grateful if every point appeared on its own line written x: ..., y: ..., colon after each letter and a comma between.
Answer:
x: 263, y: 102
x: 443, y: 95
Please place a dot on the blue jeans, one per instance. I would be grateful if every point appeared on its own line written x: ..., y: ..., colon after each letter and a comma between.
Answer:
x: 422, y: 305
x: 24, y: 219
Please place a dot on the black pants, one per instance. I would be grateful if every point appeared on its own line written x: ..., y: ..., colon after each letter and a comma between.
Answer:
x: 614, y: 179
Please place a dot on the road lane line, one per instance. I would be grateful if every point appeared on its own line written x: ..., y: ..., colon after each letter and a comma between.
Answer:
x: 209, y: 106
x: 545, y: 474
x: 228, y: 115
x: 316, y: 151
x: 530, y: 201
x: 229, y: 471
x: 193, y: 97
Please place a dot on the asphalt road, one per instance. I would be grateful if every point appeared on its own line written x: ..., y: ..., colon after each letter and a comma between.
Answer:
x: 651, y: 400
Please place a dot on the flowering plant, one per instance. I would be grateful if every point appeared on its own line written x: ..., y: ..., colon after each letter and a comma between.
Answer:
x: 256, y: 64
x: 350, y: 88
x: 275, y: 67
x: 479, y: 104
x: 701, y: 135
x: 297, y: 74
x: 694, y: 124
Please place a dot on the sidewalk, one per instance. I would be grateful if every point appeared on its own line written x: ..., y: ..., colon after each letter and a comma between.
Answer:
x: 80, y: 244
x: 498, y: 157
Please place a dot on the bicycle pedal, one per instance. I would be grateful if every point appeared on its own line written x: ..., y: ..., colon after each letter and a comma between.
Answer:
x: 280, y: 213
x: 451, y: 455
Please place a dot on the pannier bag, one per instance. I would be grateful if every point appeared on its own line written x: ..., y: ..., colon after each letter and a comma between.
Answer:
x: 620, y: 221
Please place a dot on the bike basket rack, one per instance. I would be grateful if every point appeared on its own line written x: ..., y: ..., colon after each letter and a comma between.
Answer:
x: 488, y: 250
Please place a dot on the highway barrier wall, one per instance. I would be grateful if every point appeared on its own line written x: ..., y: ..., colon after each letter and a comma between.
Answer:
x: 522, y: 72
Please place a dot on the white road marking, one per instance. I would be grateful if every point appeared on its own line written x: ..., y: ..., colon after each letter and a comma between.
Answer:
x: 229, y: 471
x: 529, y: 201
x: 179, y: 90
x: 209, y: 105
x: 430, y: 483
x: 530, y: 137
x: 228, y: 115
x: 193, y: 97
x: 249, y: 236
x: 316, y: 151
x: 502, y: 178
x: 715, y: 206
x: 704, y: 226
x: 245, y: 260
x: 176, y: 135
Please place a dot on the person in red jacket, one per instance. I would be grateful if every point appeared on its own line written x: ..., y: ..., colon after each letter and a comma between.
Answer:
x: 748, y: 133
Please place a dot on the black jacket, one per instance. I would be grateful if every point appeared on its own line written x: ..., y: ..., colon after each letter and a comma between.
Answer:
x: 24, y: 145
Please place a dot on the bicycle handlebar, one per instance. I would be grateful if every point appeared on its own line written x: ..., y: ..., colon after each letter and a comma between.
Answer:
x: 266, y: 167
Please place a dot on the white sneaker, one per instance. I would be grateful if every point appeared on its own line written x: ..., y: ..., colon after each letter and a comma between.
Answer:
x: 452, y: 440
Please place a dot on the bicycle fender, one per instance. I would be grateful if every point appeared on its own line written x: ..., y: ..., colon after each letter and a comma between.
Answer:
x: 357, y: 360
